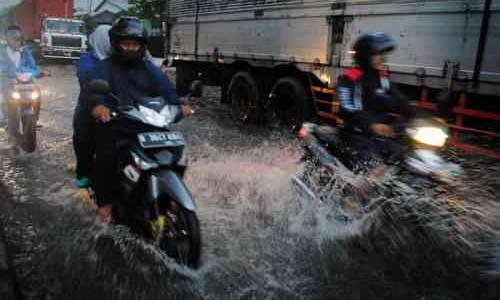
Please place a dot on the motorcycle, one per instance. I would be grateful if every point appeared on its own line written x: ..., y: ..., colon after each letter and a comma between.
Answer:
x: 155, y: 201
x: 327, y: 154
x: 23, y: 111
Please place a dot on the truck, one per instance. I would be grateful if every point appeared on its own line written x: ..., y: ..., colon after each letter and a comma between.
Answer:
x: 63, y: 38
x: 48, y: 26
x: 285, y: 57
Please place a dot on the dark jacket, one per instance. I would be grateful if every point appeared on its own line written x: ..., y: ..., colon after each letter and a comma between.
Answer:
x: 367, y: 98
x: 131, y: 83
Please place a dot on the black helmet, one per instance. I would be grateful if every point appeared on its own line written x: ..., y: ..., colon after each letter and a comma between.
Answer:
x: 128, y: 28
x: 370, y: 44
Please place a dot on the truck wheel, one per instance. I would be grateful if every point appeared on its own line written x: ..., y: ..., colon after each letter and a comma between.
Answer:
x: 196, y: 88
x: 290, y: 101
x: 244, y: 94
x: 183, y: 78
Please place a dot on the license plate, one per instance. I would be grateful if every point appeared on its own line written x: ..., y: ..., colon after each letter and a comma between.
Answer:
x: 161, y: 139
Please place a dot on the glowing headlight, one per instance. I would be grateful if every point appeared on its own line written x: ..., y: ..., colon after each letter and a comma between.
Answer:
x: 35, y: 95
x: 431, y: 136
x: 16, y: 95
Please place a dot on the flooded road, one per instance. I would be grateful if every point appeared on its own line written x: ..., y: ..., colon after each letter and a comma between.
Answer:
x: 260, y: 241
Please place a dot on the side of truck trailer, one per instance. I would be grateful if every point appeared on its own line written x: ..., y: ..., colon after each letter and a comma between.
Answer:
x: 288, y: 54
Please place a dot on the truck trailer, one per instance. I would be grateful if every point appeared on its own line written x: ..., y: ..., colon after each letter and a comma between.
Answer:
x: 287, y: 55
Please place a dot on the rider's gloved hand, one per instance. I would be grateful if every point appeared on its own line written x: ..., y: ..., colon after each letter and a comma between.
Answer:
x: 382, y: 129
x: 102, y: 113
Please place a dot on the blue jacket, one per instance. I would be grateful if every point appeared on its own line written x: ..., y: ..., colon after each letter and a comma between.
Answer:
x: 85, y: 71
x: 86, y: 68
x: 27, y: 64
x: 132, y: 83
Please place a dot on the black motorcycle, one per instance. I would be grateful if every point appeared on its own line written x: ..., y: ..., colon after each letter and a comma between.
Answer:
x: 328, y: 159
x: 23, y: 111
x: 155, y: 201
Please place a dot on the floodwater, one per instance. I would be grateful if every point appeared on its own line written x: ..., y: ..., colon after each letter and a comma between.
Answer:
x: 260, y: 240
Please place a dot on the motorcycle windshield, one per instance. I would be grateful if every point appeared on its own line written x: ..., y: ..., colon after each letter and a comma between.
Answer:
x: 24, y: 77
x: 155, y: 112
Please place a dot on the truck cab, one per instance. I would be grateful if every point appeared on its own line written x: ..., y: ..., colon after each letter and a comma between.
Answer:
x: 63, y: 38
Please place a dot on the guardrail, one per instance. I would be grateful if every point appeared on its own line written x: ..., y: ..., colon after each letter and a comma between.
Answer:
x: 327, y: 107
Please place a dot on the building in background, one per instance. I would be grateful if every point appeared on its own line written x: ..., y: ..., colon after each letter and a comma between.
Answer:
x: 95, y: 12
x: 87, y: 8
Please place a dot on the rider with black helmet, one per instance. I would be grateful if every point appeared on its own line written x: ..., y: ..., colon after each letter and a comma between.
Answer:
x: 131, y: 76
x: 367, y: 97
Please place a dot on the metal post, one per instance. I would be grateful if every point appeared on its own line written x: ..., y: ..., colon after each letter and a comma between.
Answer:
x: 196, y: 29
x: 482, y: 41
x: 166, y: 29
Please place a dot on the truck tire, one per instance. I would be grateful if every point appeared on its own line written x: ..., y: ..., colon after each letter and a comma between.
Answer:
x: 245, y: 95
x: 184, y: 75
x: 196, y: 88
x: 291, y: 102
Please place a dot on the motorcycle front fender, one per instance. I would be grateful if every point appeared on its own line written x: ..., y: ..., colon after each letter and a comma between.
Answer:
x: 169, y: 183
x: 26, y: 111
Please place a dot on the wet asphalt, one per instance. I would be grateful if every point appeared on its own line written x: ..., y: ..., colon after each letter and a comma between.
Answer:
x: 260, y: 241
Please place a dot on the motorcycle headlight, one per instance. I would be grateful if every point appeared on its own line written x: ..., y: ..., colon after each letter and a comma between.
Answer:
x: 431, y: 136
x: 143, y: 164
x: 35, y: 95
x: 16, y: 95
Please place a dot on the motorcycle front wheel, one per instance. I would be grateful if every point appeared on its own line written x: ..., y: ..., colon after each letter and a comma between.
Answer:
x: 182, y: 239
x: 28, y: 133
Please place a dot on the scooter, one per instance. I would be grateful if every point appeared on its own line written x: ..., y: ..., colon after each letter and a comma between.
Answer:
x: 327, y: 155
x: 151, y: 163
x: 23, y: 111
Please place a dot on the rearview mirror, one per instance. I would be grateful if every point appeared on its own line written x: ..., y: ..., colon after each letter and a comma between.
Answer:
x: 100, y: 86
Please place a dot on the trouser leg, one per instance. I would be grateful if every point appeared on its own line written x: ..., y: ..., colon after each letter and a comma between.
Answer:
x: 106, y: 177
x: 84, y: 144
x: 12, y: 117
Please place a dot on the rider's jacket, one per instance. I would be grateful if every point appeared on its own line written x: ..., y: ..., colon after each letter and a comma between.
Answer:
x: 26, y: 64
x: 130, y: 83
x: 367, y: 97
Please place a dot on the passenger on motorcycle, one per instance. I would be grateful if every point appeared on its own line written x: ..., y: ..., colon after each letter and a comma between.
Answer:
x: 83, y: 123
x: 15, y: 58
x: 130, y: 77
x: 368, y: 100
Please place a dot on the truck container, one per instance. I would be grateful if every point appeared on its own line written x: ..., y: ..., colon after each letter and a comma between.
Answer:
x: 287, y: 55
